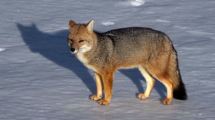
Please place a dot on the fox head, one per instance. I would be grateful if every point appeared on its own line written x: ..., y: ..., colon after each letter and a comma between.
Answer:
x: 81, y: 37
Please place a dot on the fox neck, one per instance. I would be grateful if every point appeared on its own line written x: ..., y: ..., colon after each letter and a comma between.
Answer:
x: 85, y: 57
x: 99, y: 54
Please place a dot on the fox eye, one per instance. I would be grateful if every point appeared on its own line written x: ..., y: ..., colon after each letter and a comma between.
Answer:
x: 70, y: 40
x: 81, y: 41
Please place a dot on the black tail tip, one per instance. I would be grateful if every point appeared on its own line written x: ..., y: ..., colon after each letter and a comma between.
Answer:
x: 180, y: 92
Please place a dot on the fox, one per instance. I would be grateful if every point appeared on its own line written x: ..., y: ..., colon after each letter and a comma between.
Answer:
x: 150, y: 51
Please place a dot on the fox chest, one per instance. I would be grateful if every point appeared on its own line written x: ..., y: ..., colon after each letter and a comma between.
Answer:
x: 85, y: 61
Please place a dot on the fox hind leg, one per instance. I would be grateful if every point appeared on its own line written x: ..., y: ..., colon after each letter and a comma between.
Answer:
x: 165, y: 79
x: 169, y: 89
x: 149, y: 84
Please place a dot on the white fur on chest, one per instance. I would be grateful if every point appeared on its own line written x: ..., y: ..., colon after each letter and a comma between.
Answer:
x: 85, y: 61
x: 82, y: 58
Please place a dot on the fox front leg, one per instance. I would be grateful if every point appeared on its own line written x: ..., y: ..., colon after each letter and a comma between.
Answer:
x: 98, y: 95
x: 108, y: 84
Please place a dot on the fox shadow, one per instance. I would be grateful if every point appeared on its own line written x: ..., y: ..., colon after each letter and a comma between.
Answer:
x: 53, y: 46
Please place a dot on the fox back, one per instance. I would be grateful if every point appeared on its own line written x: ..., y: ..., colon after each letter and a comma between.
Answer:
x: 125, y: 47
x: 136, y: 45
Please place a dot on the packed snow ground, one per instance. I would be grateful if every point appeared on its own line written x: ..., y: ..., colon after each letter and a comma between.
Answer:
x: 40, y: 80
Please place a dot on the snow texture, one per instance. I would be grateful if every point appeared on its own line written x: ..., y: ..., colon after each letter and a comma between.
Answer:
x: 41, y: 80
x: 133, y: 3
x: 108, y: 23
x: 2, y: 49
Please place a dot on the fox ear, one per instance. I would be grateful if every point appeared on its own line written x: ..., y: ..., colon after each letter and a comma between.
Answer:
x: 90, y: 25
x: 72, y: 23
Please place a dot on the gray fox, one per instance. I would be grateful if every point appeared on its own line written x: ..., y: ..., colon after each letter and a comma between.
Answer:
x: 149, y: 50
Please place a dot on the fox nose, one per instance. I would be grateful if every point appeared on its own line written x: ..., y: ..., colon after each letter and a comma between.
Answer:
x: 72, y: 49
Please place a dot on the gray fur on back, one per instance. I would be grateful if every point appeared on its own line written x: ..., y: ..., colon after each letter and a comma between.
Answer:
x: 134, y: 44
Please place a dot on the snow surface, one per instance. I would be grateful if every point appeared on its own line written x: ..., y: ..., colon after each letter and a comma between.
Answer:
x: 134, y: 3
x: 107, y: 23
x: 41, y: 80
x: 2, y: 49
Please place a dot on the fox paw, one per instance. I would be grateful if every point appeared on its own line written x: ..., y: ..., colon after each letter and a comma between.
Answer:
x: 142, y: 96
x: 94, y: 97
x: 103, y: 102
x: 166, y: 101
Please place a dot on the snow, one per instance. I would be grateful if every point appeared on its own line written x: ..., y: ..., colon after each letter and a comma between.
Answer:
x: 162, y: 21
x: 108, y: 23
x: 137, y: 2
x: 2, y: 49
x: 134, y: 3
x: 41, y: 80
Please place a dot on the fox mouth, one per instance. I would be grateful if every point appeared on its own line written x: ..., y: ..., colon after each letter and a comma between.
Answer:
x: 81, y: 50
x: 75, y: 52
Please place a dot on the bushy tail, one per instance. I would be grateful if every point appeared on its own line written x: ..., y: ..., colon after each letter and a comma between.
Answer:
x: 180, y: 92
